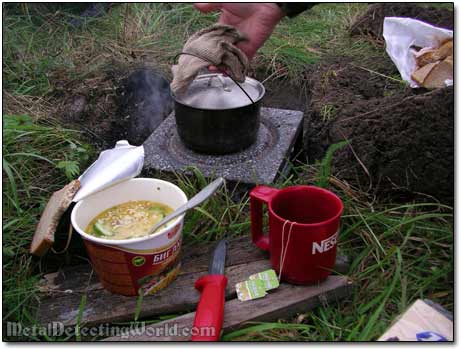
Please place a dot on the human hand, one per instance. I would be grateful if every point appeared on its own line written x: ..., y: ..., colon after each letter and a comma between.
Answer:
x: 255, y: 20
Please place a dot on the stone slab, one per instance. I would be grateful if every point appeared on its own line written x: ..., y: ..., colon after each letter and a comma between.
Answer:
x: 259, y: 164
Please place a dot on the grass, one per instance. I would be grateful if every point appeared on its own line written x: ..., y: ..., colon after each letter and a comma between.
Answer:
x: 328, y: 112
x: 307, y: 38
x: 33, y: 156
x: 43, y: 47
x: 324, y: 168
x: 220, y: 216
x: 399, y: 252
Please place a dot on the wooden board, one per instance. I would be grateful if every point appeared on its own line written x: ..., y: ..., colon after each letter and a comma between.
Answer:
x: 62, y: 291
x: 418, y: 319
x: 283, y: 302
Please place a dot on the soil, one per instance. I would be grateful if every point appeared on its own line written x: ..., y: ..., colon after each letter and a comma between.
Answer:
x: 90, y: 105
x: 285, y: 95
x: 123, y: 103
x: 371, y: 23
x: 400, y: 139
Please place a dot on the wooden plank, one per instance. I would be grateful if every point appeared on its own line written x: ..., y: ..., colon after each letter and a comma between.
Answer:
x: 283, y: 302
x: 65, y: 289
x: 103, y: 306
x: 81, y: 279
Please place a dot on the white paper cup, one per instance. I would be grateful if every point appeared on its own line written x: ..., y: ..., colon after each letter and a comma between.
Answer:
x: 148, y: 263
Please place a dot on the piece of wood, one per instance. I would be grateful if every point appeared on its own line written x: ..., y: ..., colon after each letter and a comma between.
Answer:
x: 63, y: 290
x: 283, y: 302
x: 418, y: 319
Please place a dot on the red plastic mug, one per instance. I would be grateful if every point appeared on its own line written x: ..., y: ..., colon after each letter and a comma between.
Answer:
x: 304, y: 220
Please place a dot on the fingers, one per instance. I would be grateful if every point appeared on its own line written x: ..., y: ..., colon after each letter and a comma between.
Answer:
x: 248, y: 49
x: 207, y: 6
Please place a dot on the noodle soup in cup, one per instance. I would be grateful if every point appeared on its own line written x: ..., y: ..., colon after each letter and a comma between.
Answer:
x: 134, y: 265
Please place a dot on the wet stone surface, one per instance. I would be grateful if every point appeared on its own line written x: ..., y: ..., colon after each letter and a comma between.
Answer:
x: 260, y: 163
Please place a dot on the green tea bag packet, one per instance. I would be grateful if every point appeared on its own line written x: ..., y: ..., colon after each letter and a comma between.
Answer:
x: 269, y: 277
x: 250, y: 289
x: 257, y: 285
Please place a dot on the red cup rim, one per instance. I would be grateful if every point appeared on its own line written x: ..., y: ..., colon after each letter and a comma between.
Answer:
x: 327, y: 192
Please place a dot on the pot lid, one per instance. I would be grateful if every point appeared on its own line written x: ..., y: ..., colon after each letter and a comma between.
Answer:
x: 123, y: 162
x: 218, y: 92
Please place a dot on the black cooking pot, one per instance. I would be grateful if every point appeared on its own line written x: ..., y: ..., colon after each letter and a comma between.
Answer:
x: 215, y: 116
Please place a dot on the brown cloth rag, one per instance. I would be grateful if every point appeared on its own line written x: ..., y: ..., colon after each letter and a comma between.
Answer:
x: 216, y: 44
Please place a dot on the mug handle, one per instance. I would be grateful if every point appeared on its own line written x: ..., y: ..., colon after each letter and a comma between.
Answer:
x: 259, y: 195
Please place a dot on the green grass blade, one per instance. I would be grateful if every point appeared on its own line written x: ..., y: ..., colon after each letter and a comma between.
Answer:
x: 323, y: 176
x: 138, y: 306
x: 207, y: 214
x: 12, y: 183
x: 79, y: 318
x: 367, y: 331
x: 263, y: 327
x: 31, y: 155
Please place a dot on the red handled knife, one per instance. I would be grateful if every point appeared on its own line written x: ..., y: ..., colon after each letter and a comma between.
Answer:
x: 210, y: 310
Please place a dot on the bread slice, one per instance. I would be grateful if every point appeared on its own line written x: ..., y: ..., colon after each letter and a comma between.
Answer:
x: 445, y: 50
x: 420, y: 74
x: 59, y: 202
x: 431, y: 55
x: 439, y: 73
x: 425, y: 56
x: 449, y: 59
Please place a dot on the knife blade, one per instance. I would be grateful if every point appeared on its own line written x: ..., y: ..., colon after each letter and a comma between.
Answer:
x: 218, y: 260
x: 210, y: 309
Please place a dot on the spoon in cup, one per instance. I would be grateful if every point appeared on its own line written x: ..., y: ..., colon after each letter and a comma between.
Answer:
x: 196, y: 200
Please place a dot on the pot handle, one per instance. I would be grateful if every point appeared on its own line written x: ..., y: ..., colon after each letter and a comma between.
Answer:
x: 258, y: 196
x: 225, y: 86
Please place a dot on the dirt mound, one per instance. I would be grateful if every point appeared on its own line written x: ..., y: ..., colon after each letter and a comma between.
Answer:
x: 401, y: 140
x: 371, y: 23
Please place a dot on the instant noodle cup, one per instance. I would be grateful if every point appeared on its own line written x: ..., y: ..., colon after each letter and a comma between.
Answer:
x: 138, y: 265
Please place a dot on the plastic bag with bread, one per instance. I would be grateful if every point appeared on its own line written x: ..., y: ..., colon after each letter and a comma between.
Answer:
x: 434, y: 65
x: 435, y: 45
